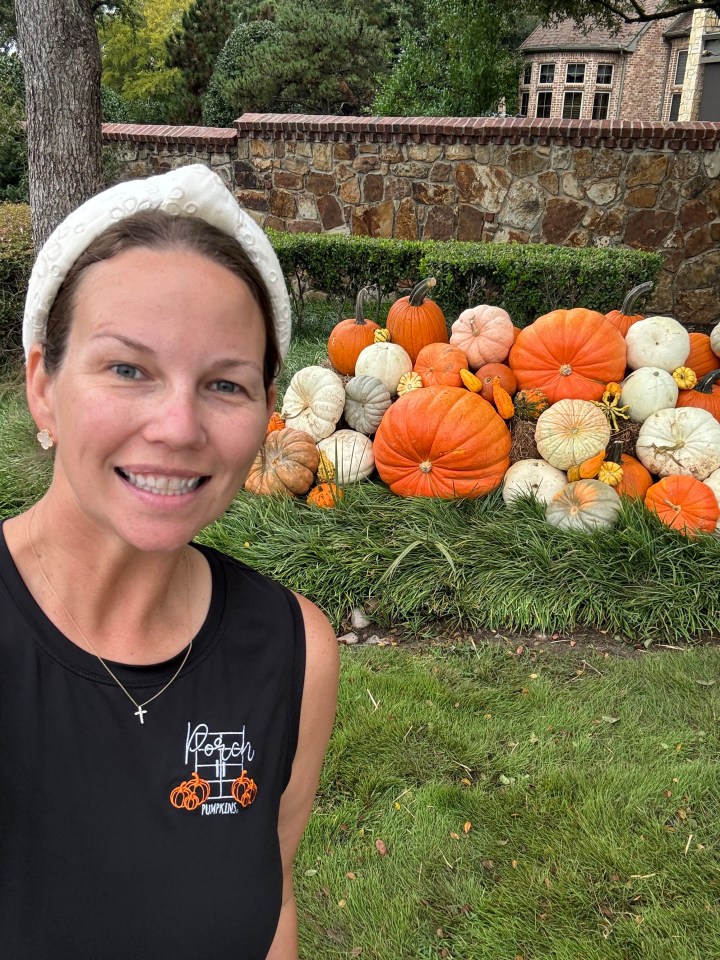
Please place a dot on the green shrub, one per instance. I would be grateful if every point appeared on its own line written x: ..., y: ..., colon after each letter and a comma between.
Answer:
x: 16, y: 258
x: 528, y: 280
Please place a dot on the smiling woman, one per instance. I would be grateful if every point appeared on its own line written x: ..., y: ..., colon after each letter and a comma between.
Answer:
x: 157, y: 315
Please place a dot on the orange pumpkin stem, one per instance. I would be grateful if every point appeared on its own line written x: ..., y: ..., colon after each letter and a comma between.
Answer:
x: 420, y: 291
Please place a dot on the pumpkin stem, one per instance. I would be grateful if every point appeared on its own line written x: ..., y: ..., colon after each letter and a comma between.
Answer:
x: 425, y: 466
x: 614, y: 452
x: 634, y: 295
x: 705, y: 384
x: 360, y: 306
x: 565, y: 370
x: 420, y: 290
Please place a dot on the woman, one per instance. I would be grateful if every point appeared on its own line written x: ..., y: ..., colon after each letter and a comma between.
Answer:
x: 164, y: 710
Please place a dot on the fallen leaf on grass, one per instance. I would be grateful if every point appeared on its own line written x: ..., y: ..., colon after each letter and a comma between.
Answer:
x: 350, y: 875
x: 356, y: 951
x: 455, y: 836
x: 467, y: 826
x: 706, y: 683
x: 381, y: 848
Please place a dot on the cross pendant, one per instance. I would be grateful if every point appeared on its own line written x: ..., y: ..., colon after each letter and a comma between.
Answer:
x: 140, y: 713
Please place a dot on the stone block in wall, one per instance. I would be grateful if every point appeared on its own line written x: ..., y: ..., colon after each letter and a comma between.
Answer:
x: 406, y: 224
x: 524, y: 205
x: 471, y: 223
x: 322, y: 156
x: 702, y: 271
x: 374, y: 221
x: 571, y: 187
x: 711, y: 198
x: 343, y: 172
x: 648, y: 229
x: 607, y: 163
x: 390, y: 153
x: 246, y: 176
x: 701, y: 307
x: 482, y: 184
x: 693, y: 214
x: 562, y: 157
x: 331, y: 215
x: 645, y: 197
x: 412, y: 169
x: 366, y: 164
x: 603, y: 192
x: 303, y: 226
x: 253, y: 200
x: 684, y: 166
x: 344, y: 151
x: 693, y: 187
x: 550, y: 182
x: 274, y: 223
x: 433, y: 193
x: 608, y: 223
x: 282, y: 204
x: 645, y: 169
x: 440, y: 172
x: 349, y: 190
x: 296, y: 165
x: 307, y: 208
x: 440, y: 223
x: 458, y: 151
x: 583, y: 163
x: 699, y: 240
x: 396, y: 188
x: 526, y: 162
x: 304, y: 148
x: 561, y: 216
x: 372, y: 188
x: 711, y: 161
x: 424, y: 152
x: 508, y: 235
x: 285, y: 180
x: 320, y: 183
x: 262, y: 148
x: 669, y: 195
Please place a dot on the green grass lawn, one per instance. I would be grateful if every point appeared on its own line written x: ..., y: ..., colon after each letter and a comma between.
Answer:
x: 536, y: 805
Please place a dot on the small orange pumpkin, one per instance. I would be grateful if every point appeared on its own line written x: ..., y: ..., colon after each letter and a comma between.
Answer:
x: 325, y: 495
x: 243, y: 789
x: 276, y: 422
x: 440, y: 365
x: 623, y: 319
x: 589, y: 468
x: 706, y: 394
x: 486, y: 373
x: 414, y: 321
x: 636, y: 479
x: 684, y: 503
x: 701, y: 359
x: 530, y: 403
x: 350, y: 337
x: 190, y: 794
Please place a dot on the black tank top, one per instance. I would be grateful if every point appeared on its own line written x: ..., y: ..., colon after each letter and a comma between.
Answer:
x: 155, y: 840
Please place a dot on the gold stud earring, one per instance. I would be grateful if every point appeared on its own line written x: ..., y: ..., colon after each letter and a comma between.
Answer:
x: 46, y: 439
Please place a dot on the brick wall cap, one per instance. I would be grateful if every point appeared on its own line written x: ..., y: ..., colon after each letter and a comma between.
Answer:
x: 163, y: 133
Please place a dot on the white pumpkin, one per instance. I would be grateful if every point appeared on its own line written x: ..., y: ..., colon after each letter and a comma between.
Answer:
x: 647, y: 390
x: 584, y: 505
x: 351, y: 453
x: 314, y: 401
x: 570, y: 432
x: 657, y: 342
x: 685, y: 440
x: 715, y: 339
x: 713, y: 481
x: 536, y: 478
x: 366, y: 400
x: 386, y: 361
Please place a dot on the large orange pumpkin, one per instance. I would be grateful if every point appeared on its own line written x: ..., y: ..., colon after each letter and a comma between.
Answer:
x: 705, y: 394
x: 442, y: 442
x: 439, y: 365
x: 636, y: 479
x: 701, y: 359
x: 414, y: 321
x: 623, y: 319
x: 350, y: 337
x: 684, y: 503
x: 569, y: 354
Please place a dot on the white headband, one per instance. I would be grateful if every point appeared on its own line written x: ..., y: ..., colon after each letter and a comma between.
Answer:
x: 193, y: 191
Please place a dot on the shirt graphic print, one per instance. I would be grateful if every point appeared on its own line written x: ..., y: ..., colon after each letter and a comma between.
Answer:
x: 220, y: 782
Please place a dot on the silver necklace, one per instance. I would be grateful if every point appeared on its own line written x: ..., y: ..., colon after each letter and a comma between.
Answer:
x: 141, y: 711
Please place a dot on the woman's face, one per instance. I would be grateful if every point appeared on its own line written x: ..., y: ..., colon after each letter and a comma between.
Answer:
x: 158, y: 407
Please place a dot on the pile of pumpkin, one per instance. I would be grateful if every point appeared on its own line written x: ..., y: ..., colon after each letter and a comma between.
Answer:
x: 439, y: 405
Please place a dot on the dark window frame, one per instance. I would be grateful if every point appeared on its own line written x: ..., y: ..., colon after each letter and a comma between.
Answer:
x: 680, y: 71
x: 527, y: 74
x: 575, y: 110
x: 547, y: 68
x: 524, y: 103
x: 601, y: 104
x: 674, y: 111
x: 546, y: 106
x: 607, y: 66
x: 581, y: 68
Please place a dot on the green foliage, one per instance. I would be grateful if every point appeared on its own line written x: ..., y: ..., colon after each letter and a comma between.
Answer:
x: 461, y: 60
x: 16, y: 258
x: 192, y: 49
x: 528, y: 280
x: 314, y: 60
x: 13, y: 141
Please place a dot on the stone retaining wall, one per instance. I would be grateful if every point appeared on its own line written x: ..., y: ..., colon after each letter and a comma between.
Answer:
x: 652, y: 186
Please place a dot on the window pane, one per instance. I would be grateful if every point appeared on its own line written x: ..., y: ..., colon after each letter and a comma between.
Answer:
x: 575, y: 73
x: 600, y: 106
x: 544, y: 102
x: 547, y: 72
x: 675, y: 106
x: 604, y: 73
x: 680, y: 68
x: 527, y: 73
x: 524, y: 103
x: 571, y: 106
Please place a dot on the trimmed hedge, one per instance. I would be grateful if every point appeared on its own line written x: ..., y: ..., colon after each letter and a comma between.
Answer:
x: 528, y: 280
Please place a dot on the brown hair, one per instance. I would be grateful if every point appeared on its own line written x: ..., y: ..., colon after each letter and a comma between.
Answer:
x: 157, y: 230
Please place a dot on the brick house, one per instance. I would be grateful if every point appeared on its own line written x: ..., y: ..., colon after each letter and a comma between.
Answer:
x: 659, y: 71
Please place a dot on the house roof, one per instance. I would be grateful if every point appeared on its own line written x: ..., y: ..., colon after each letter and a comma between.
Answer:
x: 566, y: 35
x: 680, y: 26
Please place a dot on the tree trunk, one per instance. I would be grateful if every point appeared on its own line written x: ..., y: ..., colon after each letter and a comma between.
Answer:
x: 61, y: 55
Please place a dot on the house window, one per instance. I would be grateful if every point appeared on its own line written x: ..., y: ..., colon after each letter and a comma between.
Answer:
x: 544, y: 102
x: 675, y: 106
x: 547, y: 72
x: 604, y: 73
x: 524, y: 103
x: 601, y: 102
x: 571, y: 106
x: 575, y: 73
x: 680, y: 68
x: 527, y: 73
